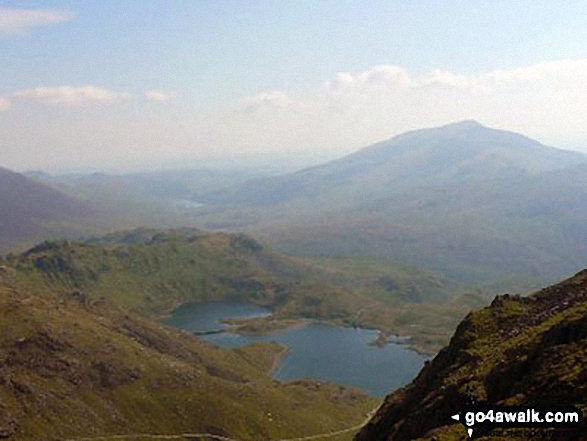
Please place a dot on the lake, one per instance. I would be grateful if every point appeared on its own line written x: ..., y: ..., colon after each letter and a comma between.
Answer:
x: 317, y: 351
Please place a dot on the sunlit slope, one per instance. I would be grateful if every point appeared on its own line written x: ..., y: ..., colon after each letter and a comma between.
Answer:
x: 150, y: 272
x: 518, y: 351
x: 76, y: 365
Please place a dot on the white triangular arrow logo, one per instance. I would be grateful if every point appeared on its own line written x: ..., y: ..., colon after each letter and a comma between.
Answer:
x: 470, y: 432
x: 456, y: 417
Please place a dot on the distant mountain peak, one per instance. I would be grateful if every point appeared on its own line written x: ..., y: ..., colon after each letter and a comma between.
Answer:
x: 437, y: 157
x: 464, y: 124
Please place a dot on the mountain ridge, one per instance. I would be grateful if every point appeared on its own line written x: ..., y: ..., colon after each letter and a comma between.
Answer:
x: 29, y: 210
x: 82, y: 353
x: 150, y: 272
x: 517, y: 351
x: 381, y: 153
x: 461, y: 199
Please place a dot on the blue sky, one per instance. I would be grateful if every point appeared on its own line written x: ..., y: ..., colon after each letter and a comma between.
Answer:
x: 231, y: 80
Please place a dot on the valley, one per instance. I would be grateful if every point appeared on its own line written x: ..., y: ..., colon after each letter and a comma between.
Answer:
x: 293, y: 220
x: 76, y: 364
x: 338, y: 293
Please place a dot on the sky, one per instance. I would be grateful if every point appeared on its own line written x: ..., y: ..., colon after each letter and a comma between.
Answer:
x: 136, y: 84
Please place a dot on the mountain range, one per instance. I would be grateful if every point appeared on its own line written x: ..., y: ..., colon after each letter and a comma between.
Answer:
x: 83, y: 354
x: 485, y: 207
x: 394, y: 237
x: 480, y: 205
x: 488, y: 208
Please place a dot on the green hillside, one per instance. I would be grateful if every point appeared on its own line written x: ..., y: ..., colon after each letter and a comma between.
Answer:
x: 78, y: 363
x: 518, y: 351
x: 151, y: 272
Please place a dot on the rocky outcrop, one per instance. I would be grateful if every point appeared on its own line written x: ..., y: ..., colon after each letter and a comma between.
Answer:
x: 518, y: 351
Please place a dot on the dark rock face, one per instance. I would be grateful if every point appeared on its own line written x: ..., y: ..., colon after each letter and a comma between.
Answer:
x: 8, y: 424
x: 518, y: 351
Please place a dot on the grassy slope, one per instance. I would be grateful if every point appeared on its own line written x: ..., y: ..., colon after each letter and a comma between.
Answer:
x: 151, y: 272
x: 76, y: 365
x: 518, y: 351
x: 399, y: 300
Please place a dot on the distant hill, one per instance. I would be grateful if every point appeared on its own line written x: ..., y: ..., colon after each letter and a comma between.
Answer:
x: 82, y: 354
x: 483, y: 205
x: 31, y: 211
x: 152, y: 271
x: 489, y: 208
x: 154, y: 199
x: 458, y: 152
x: 518, y: 351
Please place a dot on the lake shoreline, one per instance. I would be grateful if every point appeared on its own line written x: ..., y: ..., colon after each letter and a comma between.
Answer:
x: 265, y: 325
x: 275, y: 324
x: 278, y: 360
x: 324, y: 350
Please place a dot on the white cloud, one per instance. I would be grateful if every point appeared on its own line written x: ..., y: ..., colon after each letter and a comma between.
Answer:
x: 20, y: 21
x: 552, y: 74
x: 73, y: 96
x: 544, y: 100
x: 339, y: 115
x: 386, y: 75
x: 264, y: 100
x: 158, y: 95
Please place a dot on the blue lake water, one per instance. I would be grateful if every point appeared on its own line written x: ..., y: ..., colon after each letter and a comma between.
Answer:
x: 317, y: 351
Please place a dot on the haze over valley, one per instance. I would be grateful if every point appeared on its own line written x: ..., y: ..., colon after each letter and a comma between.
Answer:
x: 488, y: 208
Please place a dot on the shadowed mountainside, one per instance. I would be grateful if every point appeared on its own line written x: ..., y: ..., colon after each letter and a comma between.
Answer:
x: 475, y: 203
x: 31, y: 211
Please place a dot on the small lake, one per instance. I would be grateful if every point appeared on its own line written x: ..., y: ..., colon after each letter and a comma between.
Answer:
x: 318, y: 351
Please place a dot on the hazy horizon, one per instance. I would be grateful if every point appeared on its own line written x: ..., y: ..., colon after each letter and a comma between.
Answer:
x: 133, y: 86
x: 263, y: 163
